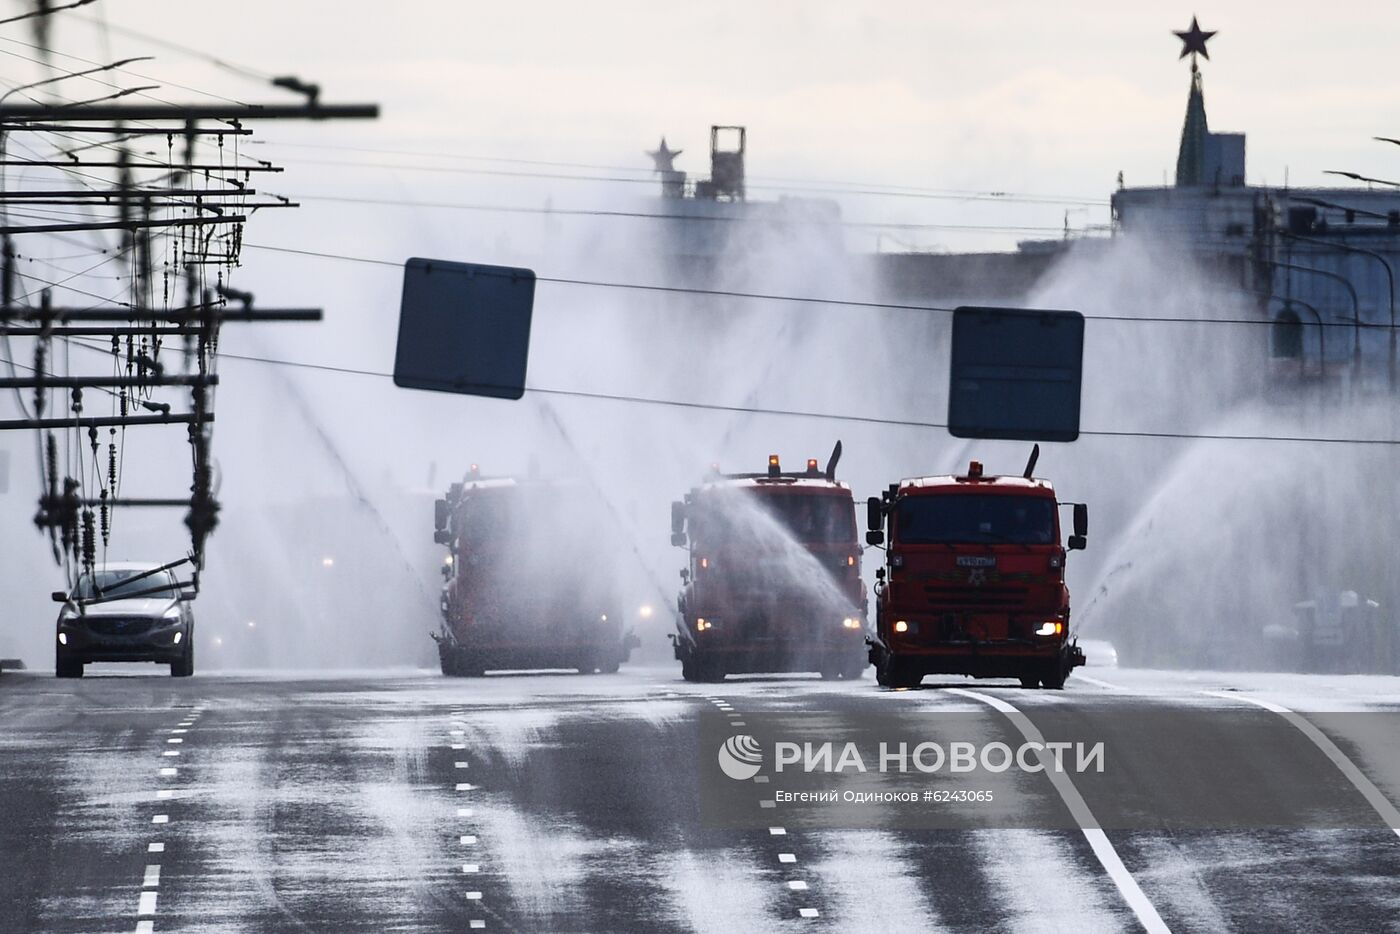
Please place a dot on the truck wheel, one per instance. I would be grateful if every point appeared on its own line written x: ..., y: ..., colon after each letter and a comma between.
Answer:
x: 1054, y: 677
x: 891, y: 674
x: 830, y: 673
x: 65, y: 666
x: 610, y: 668
x: 688, y: 670
x: 853, y: 669
x: 1030, y: 681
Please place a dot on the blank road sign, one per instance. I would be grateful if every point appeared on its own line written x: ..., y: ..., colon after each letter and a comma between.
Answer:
x: 1015, y: 374
x: 464, y: 327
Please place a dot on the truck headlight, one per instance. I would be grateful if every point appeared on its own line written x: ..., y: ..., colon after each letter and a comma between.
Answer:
x: 705, y: 623
x: 851, y: 622
x: 1051, y: 627
x: 903, y: 625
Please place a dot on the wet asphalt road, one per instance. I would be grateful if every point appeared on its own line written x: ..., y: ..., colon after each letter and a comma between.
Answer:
x: 405, y: 801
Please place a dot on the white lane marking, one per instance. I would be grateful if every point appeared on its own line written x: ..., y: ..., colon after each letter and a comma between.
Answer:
x: 767, y: 804
x: 1358, y: 779
x: 175, y: 739
x: 457, y: 732
x: 777, y: 831
x: 147, y: 904
x: 171, y: 752
x: 807, y: 912
x: 1099, y: 683
x: 155, y: 848
x: 761, y: 779
x: 177, y: 731
x: 465, y: 812
x: 164, y: 793
x: 145, y: 927
x: 787, y: 858
x: 738, y: 723
x: 161, y: 819
x: 465, y: 786
x: 471, y: 867
x: 474, y: 896
x: 1098, y: 841
x: 152, y: 878
x: 167, y: 772
x: 468, y: 839
x: 459, y: 745
x: 797, y: 885
x: 459, y: 765
x: 476, y: 923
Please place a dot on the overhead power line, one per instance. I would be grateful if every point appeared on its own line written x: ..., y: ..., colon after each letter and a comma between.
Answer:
x: 824, y: 416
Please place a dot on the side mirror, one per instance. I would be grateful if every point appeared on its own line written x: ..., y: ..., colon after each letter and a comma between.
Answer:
x: 1081, y: 521
x: 678, y: 539
x: 439, y: 514
x: 188, y: 594
x: 874, y: 514
x: 446, y: 571
x: 874, y: 537
x: 879, y: 574
x: 59, y: 596
x: 685, y: 575
x: 1076, y: 543
x: 442, y: 537
x: 677, y: 518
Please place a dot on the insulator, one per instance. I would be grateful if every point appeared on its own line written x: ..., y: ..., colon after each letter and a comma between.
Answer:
x: 89, y: 541
x: 77, y: 401
x: 105, y: 512
x: 51, y: 465
x: 112, y: 463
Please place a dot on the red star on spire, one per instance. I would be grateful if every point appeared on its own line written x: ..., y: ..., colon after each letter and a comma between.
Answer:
x: 1193, y: 40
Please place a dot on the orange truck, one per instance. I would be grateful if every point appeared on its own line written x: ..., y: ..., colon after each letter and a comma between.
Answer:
x: 974, y: 579
x: 772, y: 581
x: 531, y: 577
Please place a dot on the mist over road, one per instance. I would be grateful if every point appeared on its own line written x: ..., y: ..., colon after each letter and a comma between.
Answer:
x: 405, y: 801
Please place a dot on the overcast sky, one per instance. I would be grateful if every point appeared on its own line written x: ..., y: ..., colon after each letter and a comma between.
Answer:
x: 1001, y: 96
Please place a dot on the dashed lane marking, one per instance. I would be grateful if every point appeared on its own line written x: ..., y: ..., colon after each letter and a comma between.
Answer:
x: 147, y: 904
x: 152, y: 877
x: 465, y: 786
x: 1358, y: 779
x: 471, y: 867
x: 468, y: 839
x: 1108, y: 857
x: 161, y: 819
x: 797, y: 885
x: 155, y: 848
x: 807, y: 912
x: 465, y: 812
x: 777, y: 831
x: 787, y: 858
x: 168, y: 772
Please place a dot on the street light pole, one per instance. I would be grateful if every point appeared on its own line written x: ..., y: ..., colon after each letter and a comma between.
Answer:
x: 1355, y: 303
x: 1390, y: 281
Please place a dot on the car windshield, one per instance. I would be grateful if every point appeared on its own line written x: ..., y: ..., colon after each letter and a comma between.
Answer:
x: 125, y: 582
x: 731, y: 519
x: 977, y: 519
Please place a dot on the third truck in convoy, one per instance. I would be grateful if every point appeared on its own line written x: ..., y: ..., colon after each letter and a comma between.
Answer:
x: 974, y: 579
x: 773, y: 577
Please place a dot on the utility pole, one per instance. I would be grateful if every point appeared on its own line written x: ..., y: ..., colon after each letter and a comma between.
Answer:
x: 187, y: 209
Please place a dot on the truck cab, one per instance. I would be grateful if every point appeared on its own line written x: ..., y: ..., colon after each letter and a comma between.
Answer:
x: 973, y: 581
x: 772, y: 578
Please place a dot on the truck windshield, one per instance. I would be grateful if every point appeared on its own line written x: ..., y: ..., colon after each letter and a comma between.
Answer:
x: 733, y: 518
x: 975, y: 519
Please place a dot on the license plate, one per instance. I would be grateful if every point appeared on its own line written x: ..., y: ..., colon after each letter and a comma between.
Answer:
x: 976, y: 561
